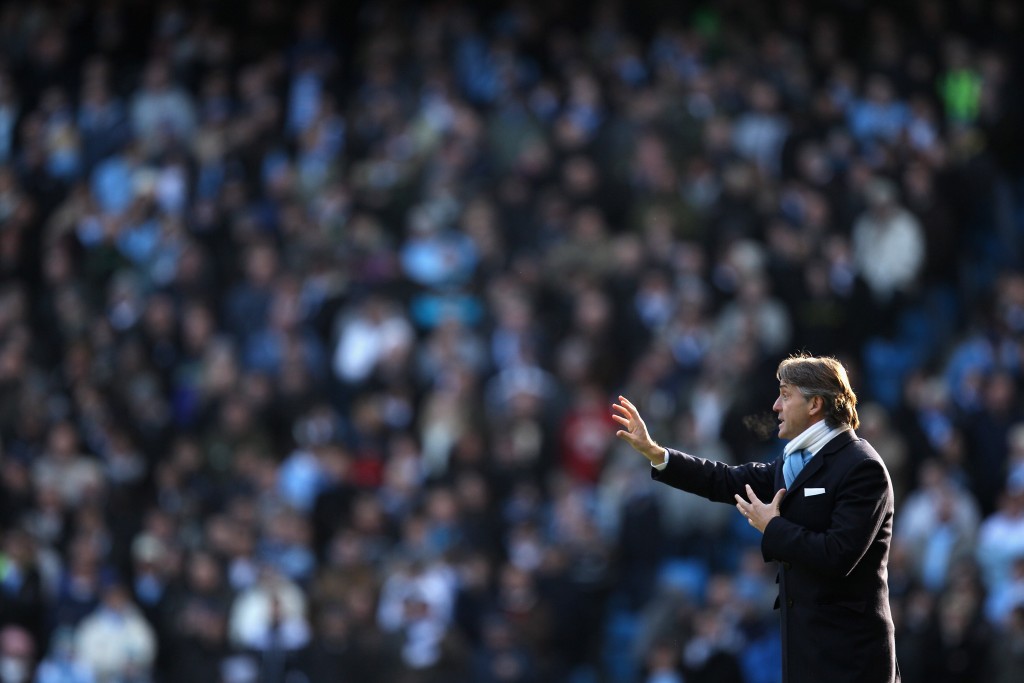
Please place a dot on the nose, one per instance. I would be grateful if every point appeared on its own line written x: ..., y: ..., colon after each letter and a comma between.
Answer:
x: 777, y: 406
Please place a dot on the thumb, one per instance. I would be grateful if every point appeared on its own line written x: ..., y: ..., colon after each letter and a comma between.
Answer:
x: 778, y: 498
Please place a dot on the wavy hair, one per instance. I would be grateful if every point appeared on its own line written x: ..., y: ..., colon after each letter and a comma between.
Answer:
x: 825, y: 377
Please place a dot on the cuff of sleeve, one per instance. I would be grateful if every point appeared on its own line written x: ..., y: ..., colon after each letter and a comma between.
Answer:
x: 767, y: 540
x: 664, y: 463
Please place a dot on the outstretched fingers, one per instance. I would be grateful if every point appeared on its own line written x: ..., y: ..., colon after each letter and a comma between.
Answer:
x: 751, y: 496
x: 758, y: 514
x: 742, y: 505
x: 628, y: 406
x: 626, y: 414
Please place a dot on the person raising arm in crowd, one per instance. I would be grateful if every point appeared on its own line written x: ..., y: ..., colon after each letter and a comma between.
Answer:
x: 825, y: 511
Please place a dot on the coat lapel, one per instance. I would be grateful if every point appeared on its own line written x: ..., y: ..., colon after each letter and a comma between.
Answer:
x: 812, y: 466
x: 815, y: 463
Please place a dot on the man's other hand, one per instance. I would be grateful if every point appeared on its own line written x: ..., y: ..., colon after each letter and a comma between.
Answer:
x: 756, y: 512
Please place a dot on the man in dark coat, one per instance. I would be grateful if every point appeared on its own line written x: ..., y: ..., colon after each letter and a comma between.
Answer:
x: 827, y: 522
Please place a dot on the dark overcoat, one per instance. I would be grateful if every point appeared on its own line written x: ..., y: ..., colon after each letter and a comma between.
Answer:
x: 831, y: 543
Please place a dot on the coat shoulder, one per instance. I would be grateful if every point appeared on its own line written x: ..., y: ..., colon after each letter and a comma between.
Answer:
x: 855, y: 453
x: 852, y: 449
x: 850, y: 445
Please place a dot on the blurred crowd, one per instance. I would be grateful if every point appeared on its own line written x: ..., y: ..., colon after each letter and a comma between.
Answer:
x: 311, y: 315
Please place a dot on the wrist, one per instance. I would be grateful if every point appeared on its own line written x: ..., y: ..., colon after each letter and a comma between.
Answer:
x: 657, y: 455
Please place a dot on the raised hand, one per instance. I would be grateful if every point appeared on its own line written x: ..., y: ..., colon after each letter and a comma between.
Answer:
x: 634, y: 431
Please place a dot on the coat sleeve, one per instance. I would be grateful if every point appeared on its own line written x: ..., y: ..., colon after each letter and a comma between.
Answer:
x: 715, y: 480
x: 862, y: 500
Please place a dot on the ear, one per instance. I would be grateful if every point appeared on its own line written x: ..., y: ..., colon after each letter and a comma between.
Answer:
x: 817, y: 405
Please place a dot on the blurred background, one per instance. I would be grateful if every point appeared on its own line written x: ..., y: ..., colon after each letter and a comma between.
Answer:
x: 311, y: 315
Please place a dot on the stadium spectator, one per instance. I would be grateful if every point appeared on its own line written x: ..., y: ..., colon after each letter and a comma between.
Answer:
x: 115, y: 642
